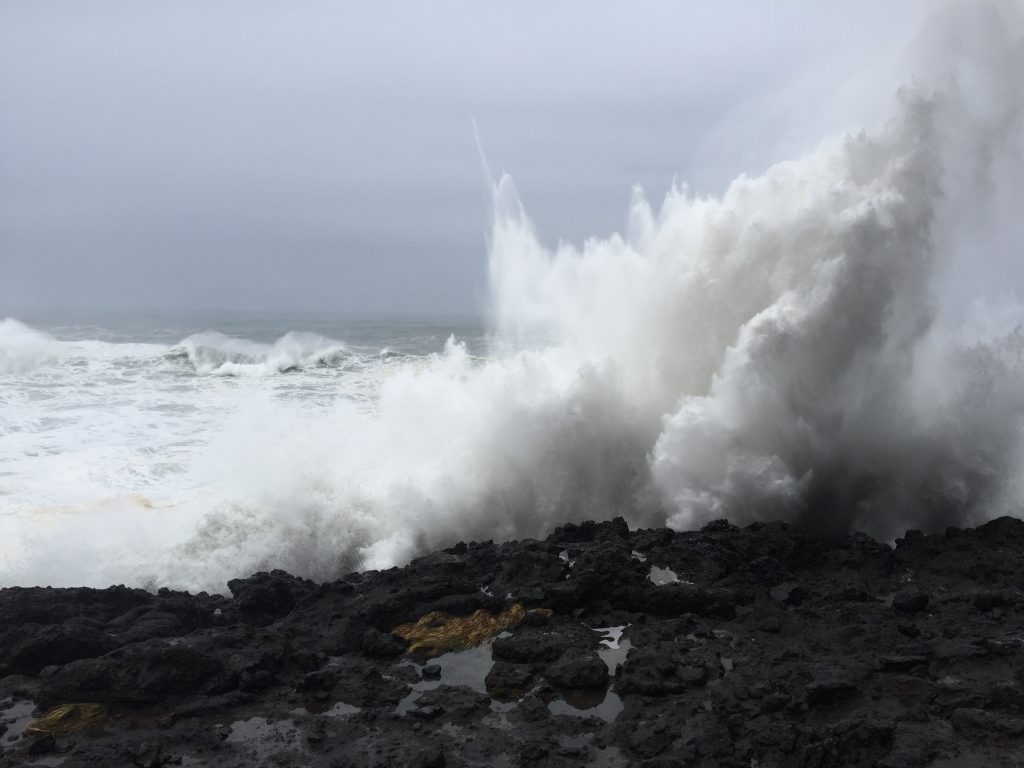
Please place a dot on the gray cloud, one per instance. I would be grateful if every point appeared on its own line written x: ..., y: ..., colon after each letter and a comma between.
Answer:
x: 311, y: 154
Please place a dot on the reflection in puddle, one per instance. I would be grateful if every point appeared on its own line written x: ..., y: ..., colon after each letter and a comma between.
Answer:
x: 498, y: 721
x: 598, y: 756
x: 17, y: 714
x: 500, y: 706
x: 341, y: 709
x: 662, y: 575
x: 326, y: 707
x: 612, y: 635
x: 613, y: 657
x: 452, y: 730
x: 614, y: 647
x: 468, y: 668
x: 575, y: 742
x: 603, y: 704
x: 259, y: 728
x: 609, y: 757
x: 564, y: 557
x: 263, y: 737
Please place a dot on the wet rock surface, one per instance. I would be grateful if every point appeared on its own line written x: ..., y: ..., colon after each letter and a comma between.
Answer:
x: 760, y: 647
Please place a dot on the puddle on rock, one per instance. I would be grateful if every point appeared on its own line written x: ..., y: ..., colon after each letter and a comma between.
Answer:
x: 497, y: 720
x: 573, y: 742
x: 612, y: 635
x: 17, y: 715
x: 577, y: 747
x: 500, y: 707
x: 603, y: 704
x: 662, y: 576
x: 265, y: 738
x: 564, y: 557
x: 341, y: 709
x: 452, y: 730
x: 327, y: 709
x: 613, y: 657
x: 583, y: 747
x: 609, y: 757
x: 614, y: 646
x: 498, y: 761
x: 468, y: 668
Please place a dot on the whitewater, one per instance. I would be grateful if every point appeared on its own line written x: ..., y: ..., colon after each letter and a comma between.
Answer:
x: 801, y: 347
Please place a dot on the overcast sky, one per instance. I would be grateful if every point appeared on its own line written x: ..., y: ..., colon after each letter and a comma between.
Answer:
x: 290, y: 154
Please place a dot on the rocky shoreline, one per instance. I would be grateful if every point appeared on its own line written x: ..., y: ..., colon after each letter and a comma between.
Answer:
x: 596, y: 646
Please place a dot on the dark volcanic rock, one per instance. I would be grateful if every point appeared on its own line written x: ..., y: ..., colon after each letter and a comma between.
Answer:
x: 677, y: 599
x: 505, y: 677
x: 909, y: 601
x: 39, y: 646
x: 789, y: 593
x: 660, y: 671
x: 530, y: 647
x: 381, y: 644
x: 578, y: 671
x: 266, y: 597
x: 773, y: 649
x: 146, y: 673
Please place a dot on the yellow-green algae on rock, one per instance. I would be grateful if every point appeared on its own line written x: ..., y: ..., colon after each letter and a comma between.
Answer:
x: 67, y: 718
x: 438, y: 632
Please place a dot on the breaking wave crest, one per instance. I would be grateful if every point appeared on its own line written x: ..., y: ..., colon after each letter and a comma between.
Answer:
x: 23, y: 348
x: 213, y: 353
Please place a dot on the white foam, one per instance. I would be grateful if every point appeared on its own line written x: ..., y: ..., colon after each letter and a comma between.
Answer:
x: 23, y: 348
x: 217, y: 354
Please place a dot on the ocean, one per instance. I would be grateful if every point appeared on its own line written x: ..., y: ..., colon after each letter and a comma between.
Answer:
x: 133, y: 424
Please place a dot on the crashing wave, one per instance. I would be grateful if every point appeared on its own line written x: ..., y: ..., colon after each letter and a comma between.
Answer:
x: 794, y: 348
x: 23, y: 348
x: 216, y: 354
